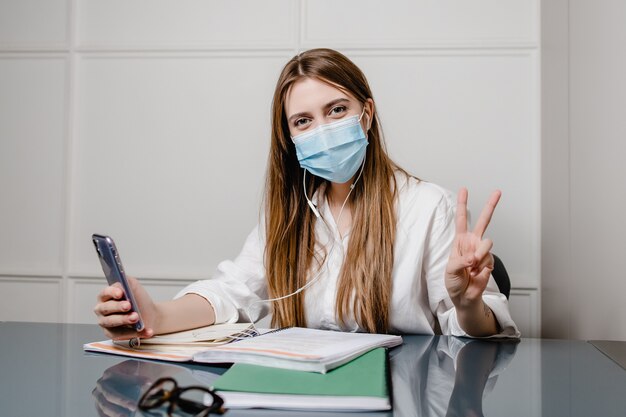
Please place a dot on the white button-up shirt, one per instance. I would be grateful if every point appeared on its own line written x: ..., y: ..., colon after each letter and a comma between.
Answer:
x: 425, y: 215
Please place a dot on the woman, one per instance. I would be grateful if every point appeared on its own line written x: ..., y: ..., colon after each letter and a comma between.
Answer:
x: 348, y: 241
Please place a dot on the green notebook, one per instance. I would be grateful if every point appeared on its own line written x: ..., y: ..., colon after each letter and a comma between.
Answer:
x: 358, y: 385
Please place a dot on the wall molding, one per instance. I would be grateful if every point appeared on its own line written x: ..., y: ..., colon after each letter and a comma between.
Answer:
x: 426, y: 49
x: 33, y: 273
x: 216, y: 54
x: 250, y: 48
x: 428, y: 45
x: 41, y: 55
x: 184, y: 47
x: 43, y: 279
x: 534, y: 310
x: 33, y: 48
x: 160, y: 279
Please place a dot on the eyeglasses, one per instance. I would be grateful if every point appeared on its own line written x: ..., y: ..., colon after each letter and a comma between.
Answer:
x: 193, y: 400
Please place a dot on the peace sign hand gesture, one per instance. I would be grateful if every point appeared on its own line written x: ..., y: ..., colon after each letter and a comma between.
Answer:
x: 469, y: 268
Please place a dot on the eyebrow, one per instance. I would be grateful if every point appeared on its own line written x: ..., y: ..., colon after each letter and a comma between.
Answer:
x: 328, y: 105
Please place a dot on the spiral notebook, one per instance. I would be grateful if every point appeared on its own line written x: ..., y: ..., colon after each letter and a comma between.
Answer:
x: 299, y: 349
x: 294, y: 348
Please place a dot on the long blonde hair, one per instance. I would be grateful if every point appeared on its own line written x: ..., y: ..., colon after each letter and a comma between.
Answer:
x: 364, y: 287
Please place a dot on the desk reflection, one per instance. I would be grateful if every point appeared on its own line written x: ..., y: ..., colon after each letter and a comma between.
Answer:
x: 120, y: 387
x: 118, y: 391
x: 446, y: 376
x: 431, y: 376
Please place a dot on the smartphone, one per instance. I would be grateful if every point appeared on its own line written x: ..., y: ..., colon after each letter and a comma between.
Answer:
x: 114, y: 271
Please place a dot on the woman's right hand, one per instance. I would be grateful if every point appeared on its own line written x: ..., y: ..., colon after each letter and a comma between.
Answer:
x: 115, y: 317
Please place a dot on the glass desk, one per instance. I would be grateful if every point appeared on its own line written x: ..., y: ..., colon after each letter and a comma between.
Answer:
x: 44, y: 372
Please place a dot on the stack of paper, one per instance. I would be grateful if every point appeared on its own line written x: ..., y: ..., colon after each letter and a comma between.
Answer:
x: 356, y: 386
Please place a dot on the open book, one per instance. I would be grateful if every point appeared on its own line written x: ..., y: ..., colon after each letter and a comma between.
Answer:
x: 292, y: 348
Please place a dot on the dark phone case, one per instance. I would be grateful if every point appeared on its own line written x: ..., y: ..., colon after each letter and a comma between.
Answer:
x: 114, y: 271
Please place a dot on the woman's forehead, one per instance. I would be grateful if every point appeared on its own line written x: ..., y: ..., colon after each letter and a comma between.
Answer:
x: 311, y: 93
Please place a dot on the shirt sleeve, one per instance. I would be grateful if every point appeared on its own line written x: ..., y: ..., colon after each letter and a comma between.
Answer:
x: 238, y: 285
x: 437, y: 251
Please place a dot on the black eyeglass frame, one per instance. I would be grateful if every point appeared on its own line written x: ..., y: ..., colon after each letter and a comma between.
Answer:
x: 174, y: 399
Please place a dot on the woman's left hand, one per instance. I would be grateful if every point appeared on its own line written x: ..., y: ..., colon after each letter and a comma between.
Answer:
x: 470, y: 262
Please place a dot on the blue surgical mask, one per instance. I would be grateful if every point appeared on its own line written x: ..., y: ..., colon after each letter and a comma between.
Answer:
x: 333, y: 151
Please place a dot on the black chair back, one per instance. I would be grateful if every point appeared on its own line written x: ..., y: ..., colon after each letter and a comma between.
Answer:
x: 501, y: 276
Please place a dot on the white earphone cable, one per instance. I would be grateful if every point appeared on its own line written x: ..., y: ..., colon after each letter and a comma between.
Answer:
x: 332, y: 248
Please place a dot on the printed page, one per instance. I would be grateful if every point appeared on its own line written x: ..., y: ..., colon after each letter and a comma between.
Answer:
x: 310, y: 344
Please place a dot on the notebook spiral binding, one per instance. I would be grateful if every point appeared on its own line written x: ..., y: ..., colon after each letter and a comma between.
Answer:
x: 253, y: 333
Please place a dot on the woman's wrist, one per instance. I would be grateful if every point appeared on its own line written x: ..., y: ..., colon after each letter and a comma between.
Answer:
x: 159, y: 315
x: 476, y: 318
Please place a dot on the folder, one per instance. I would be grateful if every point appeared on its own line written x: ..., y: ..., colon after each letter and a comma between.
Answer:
x: 359, y: 385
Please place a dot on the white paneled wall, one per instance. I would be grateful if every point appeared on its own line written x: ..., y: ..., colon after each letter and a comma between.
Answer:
x: 34, y: 25
x: 149, y: 121
x: 583, y: 185
x: 164, y: 150
x: 427, y: 24
x: 453, y: 129
x: 33, y: 118
x: 31, y: 299
x: 190, y: 24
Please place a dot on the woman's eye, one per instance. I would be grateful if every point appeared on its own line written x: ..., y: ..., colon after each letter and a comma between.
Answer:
x: 301, y: 122
x: 337, y: 110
